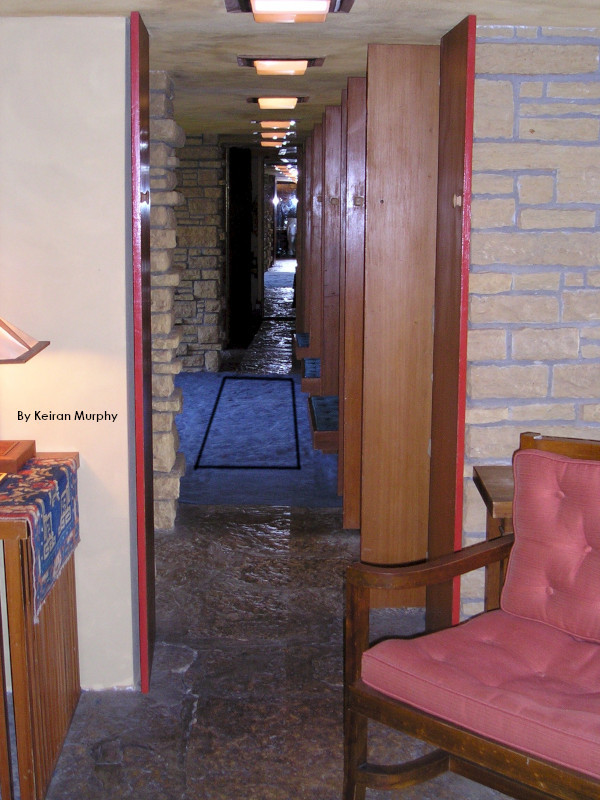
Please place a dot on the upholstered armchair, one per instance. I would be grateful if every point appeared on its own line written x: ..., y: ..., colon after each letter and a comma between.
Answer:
x: 509, y: 698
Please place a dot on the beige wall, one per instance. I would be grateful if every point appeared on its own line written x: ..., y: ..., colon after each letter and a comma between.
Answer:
x: 64, y: 275
x: 534, y: 323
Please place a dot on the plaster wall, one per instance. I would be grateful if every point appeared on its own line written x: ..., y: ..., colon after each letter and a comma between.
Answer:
x: 65, y: 252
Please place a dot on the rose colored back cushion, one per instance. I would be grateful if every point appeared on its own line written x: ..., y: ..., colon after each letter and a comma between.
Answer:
x: 554, y: 569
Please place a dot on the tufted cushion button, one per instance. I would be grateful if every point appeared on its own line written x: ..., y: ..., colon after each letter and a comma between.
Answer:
x: 549, y: 591
x: 587, y: 549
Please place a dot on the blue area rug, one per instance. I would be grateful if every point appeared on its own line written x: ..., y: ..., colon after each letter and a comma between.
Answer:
x: 234, y: 440
x: 257, y: 481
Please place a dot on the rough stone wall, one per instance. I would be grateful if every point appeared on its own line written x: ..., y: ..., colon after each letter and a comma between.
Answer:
x: 534, y: 320
x: 199, y: 298
x: 165, y: 137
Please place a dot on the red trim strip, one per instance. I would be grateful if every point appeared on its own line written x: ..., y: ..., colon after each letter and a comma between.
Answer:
x: 136, y: 219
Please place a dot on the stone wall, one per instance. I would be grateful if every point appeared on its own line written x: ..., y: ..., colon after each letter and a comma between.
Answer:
x: 165, y: 137
x: 199, y: 298
x: 534, y: 321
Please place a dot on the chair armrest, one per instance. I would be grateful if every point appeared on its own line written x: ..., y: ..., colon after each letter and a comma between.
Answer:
x: 361, y: 579
x: 427, y: 573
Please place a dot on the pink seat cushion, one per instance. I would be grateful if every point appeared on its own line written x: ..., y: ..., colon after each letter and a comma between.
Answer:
x: 554, y: 568
x: 517, y: 681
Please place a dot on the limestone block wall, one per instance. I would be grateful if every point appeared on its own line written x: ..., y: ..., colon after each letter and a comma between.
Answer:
x: 534, y: 318
x: 199, y: 298
x: 165, y: 138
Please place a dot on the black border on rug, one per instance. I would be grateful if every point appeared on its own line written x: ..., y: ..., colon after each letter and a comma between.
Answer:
x: 290, y: 381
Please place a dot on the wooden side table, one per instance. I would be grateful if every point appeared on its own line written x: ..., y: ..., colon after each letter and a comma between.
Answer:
x: 496, y: 487
x: 44, y: 662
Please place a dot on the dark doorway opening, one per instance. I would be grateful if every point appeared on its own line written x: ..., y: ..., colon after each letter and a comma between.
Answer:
x: 243, y: 319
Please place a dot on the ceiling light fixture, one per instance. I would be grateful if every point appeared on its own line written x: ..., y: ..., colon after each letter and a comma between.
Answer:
x: 277, y: 102
x: 273, y: 136
x: 282, y: 124
x: 290, y: 10
x: 290, y: 102
x: 281, y: 67
x: 276, y: 65
x: 270, y: 144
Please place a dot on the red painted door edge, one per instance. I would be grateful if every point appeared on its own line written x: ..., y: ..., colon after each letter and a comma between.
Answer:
x: 464, y: 300
x: 138, y: 351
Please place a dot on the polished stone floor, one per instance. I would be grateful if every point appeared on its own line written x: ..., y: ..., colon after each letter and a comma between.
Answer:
x: 246, y: 691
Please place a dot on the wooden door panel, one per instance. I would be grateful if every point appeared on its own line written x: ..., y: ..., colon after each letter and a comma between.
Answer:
x: 342, y: 290
x: 330, y: 258
x: 354, y: 290
x: 457, y: 78
x: 402, y: 131
x: 315, y: 288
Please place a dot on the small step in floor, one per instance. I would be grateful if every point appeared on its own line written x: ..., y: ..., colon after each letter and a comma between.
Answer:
x: 324, y: 418
x: 311, y: 375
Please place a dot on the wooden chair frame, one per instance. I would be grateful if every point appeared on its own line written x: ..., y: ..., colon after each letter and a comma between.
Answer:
x: 457, y: 750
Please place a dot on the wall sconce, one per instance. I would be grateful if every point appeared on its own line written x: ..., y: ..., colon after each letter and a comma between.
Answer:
x: 17, y: 347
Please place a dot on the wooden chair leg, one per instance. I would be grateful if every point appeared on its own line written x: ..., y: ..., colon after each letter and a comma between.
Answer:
x: 355, y: 754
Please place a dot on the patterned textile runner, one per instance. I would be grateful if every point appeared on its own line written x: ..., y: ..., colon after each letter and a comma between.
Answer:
x: 44, y: 494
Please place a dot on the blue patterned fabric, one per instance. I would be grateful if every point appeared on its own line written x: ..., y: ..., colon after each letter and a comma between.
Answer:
x: 44, y: 494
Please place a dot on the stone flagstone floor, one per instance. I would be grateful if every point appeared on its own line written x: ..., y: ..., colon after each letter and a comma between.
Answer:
x: 246, y: 692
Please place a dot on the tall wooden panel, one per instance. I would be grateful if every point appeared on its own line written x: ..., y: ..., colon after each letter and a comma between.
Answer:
x: 354, y: 279
x: 303, y: 250
x: 330, y: 258
x: 299, y: 294
x: 402, y: 145
x: 315, y: 296
x: 457, y: 77
x: 342, y: 348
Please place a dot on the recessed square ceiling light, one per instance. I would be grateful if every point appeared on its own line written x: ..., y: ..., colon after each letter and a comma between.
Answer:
x: 276, y: 65
x: 277, y: 102
x: 281, y: 67
x: 290, y: 10
x: 277, y: 124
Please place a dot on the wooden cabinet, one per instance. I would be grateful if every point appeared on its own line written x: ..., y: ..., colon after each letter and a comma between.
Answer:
x: 44, y: 659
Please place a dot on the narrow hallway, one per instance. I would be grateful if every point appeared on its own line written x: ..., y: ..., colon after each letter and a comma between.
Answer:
x: 246, y: 692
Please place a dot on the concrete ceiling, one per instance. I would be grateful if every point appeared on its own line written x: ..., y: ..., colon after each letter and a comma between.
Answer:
x: 198, y: 42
